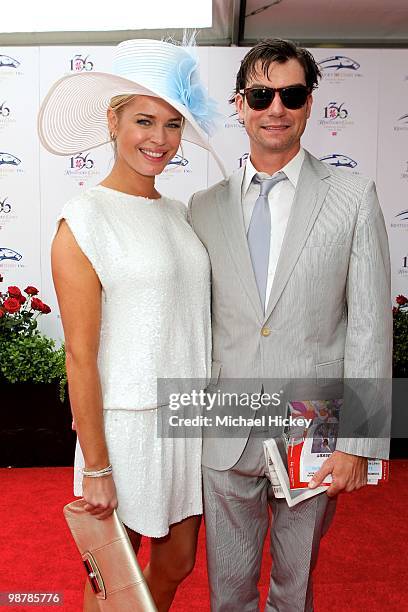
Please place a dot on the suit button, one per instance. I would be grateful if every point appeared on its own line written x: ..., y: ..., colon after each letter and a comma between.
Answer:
x: 265, y: 331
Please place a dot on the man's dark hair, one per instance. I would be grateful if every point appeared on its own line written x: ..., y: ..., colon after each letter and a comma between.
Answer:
x: 276, y: 50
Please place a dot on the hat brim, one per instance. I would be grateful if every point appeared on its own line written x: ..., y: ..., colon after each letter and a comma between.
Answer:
x: 72, y: 117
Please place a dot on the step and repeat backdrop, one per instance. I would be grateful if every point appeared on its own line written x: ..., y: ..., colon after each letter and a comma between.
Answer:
x: 359, y: 122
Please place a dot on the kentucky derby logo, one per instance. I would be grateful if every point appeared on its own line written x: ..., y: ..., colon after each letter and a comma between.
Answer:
x: 79, y: 63
x: 403, y: 215
x: 335, y: 118
x: 81, y: 168
x: 178, y: 160
x: 335, y: 111
x: 401, y: 124
x: 401, y: 220
x: 339, y: 160
x: 8, y: 62
x: 6, y: 119
x: 339, y: 68
x: 177, y: 165
x: 242, y: 160
x: 8, y: 159
x: 4, y: 110
x: 81, y: 162
x: 6, y: 253
x: 339, y: 62
x: 403, y: 270
x: 5, y: 207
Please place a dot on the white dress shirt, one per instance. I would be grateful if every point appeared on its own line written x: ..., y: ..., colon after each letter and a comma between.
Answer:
x: 280, y: 200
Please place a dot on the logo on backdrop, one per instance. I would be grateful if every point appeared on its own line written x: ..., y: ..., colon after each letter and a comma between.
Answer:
x: 4, y: 110
x: 403, y: 215
x: 336, y: 117
x: 242, y: 160
x: 81, y: 167
x: 403, y: 270
x: 176, y: 166
x: 339, y: 62
x: 402, y: 123
x: 232, y: 122
x: 5, y: 206
x: 7, y: 158
x: 9, y: 66
x: 81, y: 161
x: 5, y: 119
x: 178, y: 160
x: 335, y: 111
x: 338, y: 68
x: 79, y: 63
x: 8, y: 62
x: 9, y: 164
x: 339, y: 160
x: 401, y: 220
x: 6, y: 212
x: 6, y: 253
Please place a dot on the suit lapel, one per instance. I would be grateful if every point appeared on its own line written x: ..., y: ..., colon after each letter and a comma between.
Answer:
x: 309, y: 197
x: 230, y: 212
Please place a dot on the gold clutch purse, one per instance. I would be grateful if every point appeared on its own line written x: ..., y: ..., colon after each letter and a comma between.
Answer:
x: 110, y: 561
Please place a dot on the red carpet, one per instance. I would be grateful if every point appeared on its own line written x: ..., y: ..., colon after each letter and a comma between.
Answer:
x: 362, y: 566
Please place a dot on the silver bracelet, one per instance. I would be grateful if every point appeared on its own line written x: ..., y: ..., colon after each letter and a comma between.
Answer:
x: 98, y: 473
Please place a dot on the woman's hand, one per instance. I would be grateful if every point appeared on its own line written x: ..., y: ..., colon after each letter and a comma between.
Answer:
x: 100, y: 495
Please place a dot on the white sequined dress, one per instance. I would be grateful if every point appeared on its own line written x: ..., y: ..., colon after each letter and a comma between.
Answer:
x: 155, y: 278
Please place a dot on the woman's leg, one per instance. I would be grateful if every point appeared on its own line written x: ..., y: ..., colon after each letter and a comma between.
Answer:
x: 171, y: 560
x: 90, y: 601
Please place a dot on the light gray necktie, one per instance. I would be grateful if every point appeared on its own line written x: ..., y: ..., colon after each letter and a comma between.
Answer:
x: 259, y: 232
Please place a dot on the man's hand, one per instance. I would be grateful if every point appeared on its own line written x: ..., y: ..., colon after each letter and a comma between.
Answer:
x: 349, y: 473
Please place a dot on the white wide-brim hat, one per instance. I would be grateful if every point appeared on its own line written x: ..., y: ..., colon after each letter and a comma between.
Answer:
x: 73, y: 115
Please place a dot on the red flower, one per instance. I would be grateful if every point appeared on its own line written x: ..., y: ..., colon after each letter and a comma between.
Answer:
x: 1, y: 278
x: 21, y: 299
x: 14, y: 292
x: 37, y: 304
x: 2, y: 313
x: 31, y: 290
x: 12, y: 305
x: 46, y: 309
x: 401, y: 300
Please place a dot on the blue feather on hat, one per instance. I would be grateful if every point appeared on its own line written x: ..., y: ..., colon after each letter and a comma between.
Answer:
x: 186, y: 87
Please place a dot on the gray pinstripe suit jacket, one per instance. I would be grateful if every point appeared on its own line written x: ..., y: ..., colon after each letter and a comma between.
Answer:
x: 329, y: 311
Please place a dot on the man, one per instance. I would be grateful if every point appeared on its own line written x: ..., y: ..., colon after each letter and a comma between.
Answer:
x: 300, y: 289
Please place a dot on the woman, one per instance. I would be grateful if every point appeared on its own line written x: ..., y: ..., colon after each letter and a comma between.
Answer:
x: 133, y: 286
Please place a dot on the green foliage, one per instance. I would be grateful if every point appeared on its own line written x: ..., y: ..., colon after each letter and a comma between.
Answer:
x: 25, y: 354
x: 400, y: 356
x: 33, y: 358
x: 23, y: 322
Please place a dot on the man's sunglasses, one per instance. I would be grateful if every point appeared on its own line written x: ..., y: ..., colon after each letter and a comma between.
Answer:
x: 259, y: 98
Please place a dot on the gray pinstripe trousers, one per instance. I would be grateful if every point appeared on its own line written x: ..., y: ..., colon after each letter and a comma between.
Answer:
x: 237, y: 518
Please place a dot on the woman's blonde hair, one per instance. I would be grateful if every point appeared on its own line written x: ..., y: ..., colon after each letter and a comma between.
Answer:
x: 116, y: 103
